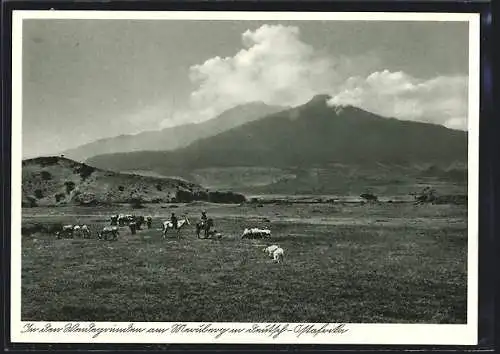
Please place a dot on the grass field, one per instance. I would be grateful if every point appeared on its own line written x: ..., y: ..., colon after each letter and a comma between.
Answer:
x: 396, y: 263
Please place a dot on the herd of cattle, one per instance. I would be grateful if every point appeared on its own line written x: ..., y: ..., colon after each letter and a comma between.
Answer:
x: 134, y: 223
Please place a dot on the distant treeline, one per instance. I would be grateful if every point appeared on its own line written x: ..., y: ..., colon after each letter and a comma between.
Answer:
x: 183, y: 196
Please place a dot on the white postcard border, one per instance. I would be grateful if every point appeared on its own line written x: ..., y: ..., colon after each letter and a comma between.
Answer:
x: 412, y: 334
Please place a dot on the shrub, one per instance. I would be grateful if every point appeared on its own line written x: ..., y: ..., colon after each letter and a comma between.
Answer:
x: 427, y: 195
x: 121, y: 188
x: 70, y: 185
x: 136, y: 202
x: 84, y: 170
x: 48, y: 161
x: 29, y: 202
x: 38, y: 193
x: 369, y: 197
x: 183, y: 196
x: 226, y: 197
x: 59, y: 197
x: 159, y: 187
x: 28, y: 229
x: 46, y: 176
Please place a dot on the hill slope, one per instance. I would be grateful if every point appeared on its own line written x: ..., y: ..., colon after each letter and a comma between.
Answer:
x: 313, y: 134
x: 175, y: 137
x: 49, y: 181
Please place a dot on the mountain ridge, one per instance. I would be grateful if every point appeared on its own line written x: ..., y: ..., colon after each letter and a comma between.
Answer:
x: 308, y: 135
x: 173, y: 137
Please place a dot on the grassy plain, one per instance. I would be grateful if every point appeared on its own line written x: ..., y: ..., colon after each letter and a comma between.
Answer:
x: 385, y: 263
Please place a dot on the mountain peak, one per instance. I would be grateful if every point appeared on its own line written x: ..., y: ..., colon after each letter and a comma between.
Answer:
x: 320, y: 98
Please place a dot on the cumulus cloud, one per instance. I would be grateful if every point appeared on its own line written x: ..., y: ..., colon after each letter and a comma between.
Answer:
x: 276, y: 67
x: 441, y: 100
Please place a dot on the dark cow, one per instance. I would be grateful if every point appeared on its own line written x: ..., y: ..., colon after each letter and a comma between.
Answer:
x: 133, y: 227
x: 67, y: 230
x: 140, y: 220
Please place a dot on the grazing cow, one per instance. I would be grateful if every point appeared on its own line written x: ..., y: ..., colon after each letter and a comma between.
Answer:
x: 122, y: 219
x: 85, y: 231
x: 67, y: 230
x: 167, y: 225
x: 149, y: 221
x: 270, y: 249
x: 140, y: 220
x: 256, y: 233
x: 114, y: 220
x: 278, y: 255
x: 214, y: 234
x: 205, y: 226
x: 81, y: 230
x: 108, y: 230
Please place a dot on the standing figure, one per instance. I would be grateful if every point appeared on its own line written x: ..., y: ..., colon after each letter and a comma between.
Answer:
x: 133, y: 227
x: 173, y: 220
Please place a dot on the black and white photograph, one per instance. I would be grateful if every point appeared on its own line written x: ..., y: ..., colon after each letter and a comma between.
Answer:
x: 302, y: 177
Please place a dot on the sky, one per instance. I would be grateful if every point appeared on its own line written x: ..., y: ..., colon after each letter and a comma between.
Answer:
x: 88, y: 79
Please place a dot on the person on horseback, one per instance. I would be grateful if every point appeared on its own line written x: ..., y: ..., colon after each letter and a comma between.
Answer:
x: 204, y: 217
x: 173, y: 220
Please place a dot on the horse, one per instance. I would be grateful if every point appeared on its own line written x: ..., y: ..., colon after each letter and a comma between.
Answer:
x: 205, y: 226
x: 168, y: 225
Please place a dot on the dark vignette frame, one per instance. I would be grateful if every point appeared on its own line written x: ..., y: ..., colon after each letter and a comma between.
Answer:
x: 488, y: 169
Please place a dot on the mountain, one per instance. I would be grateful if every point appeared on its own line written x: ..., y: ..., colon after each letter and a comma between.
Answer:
x: 175, y: 137
x: 51, y: 181
x: 310, y: 135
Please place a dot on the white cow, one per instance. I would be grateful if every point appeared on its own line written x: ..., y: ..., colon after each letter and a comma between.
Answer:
x: 270, y: 249
x: 278, y: 255
x: 108, y: 230
x: 84, y: 229
x: 256, y: 232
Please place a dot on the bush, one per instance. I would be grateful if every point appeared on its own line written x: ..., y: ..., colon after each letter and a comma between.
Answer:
x: 183, y: 196
x: 29, y: 202
x: 70, y: 185
x: 121, y: 188
x: 59, y: 197
x: 38, y: 193
x: 136, y: 203
x: 84, y: 171
x: 427, y: 195
x: 226, y: 197
x: 31, y: 228
x: 46, y: 176
x: 159, y: 187
x: 48, y: 161
x: 369, y: 197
